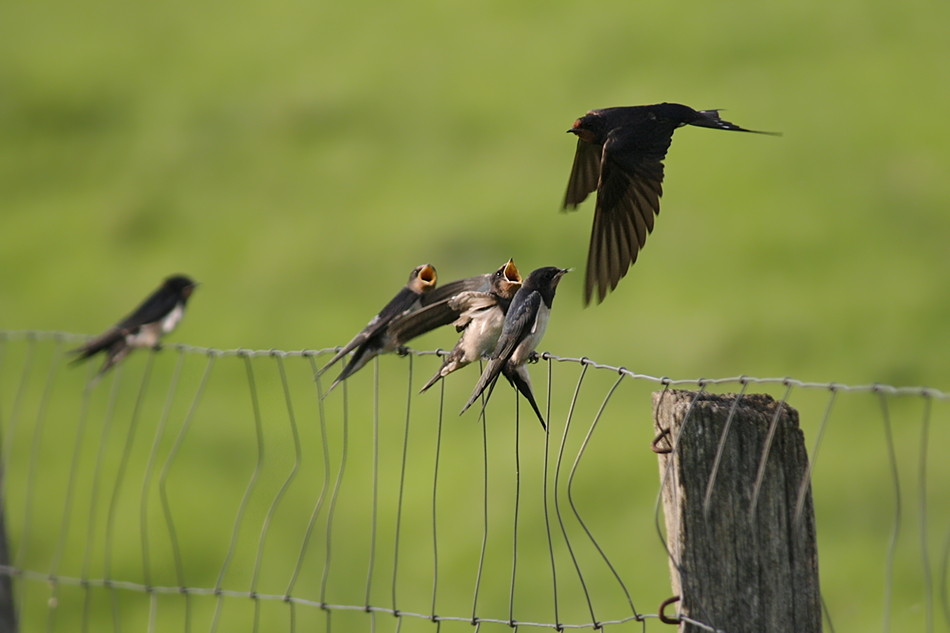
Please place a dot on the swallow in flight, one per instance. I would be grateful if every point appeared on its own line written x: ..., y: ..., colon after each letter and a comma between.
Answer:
x: 620, y: 154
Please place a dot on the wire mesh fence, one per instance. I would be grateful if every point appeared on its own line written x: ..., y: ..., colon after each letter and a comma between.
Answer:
x: 201, y: 489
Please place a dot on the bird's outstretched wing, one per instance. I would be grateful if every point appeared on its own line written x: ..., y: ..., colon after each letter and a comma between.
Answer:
x: 585, y: 173
x: 628, y: 199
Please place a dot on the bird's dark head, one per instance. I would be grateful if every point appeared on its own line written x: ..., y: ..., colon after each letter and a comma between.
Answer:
x: 587, y: 128
x: 545, y: 281
x: 556, y: 274
x: 506, y: 280
x: 180, y: 285
x: 423, y: 278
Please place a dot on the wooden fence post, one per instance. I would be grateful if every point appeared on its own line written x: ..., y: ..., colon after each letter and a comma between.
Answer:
x: 739, y: 562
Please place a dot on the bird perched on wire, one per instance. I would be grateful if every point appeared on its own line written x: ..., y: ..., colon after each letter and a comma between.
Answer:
x: 158, y: 315
x: 478, y: 316
x: 440, y: 306
x: 524, y: 326
x: 375, y: 338
x: 620, y: 154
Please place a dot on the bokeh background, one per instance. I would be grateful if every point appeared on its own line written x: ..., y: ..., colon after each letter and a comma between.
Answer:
x: 299, y: 159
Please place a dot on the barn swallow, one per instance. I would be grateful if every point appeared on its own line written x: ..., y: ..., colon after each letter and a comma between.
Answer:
x: 480, y: 316
x: 156, y: 316
x: 620, y: 154
x: 478, y: 283
x: 374, y: 339
x: 524, y: 325
x: 435, y: 309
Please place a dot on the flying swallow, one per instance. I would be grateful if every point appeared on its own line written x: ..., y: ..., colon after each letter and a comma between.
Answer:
x: 524, y: 325
x: 156, y: 316
x: 480, y: 316
x: 620, y: 154
x: 374, y: 339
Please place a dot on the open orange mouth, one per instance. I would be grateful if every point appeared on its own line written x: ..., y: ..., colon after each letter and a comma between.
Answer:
x: 428, y: 274
x: 511, y: 272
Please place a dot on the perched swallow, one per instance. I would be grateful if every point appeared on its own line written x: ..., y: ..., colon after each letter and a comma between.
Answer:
x: 158, y: 315
x: 620, y: 153
x: 480, y: 319
x: 524, y: 325
x: 374, y: 339
x: 478, y: 283
x: 437, y: 308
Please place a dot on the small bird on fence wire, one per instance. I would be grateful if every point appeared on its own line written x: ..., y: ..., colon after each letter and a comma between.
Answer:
x: 441, y: 307
x: 478, y: 316
x: 620, y: 154
x: 158, y: 315
x: 524, y: 326
x: 375, y: 338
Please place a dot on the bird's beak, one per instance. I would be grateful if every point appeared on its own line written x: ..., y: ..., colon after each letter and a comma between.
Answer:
x: 511, y: 272
x: 428, y: 274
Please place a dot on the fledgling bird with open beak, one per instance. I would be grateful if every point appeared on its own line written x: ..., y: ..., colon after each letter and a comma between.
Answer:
x: 438, y: 307
x: 481, y: 316
x: 375, y: 339
x: 158, y: 315
x: 620, y: 154
x: 524, y: 326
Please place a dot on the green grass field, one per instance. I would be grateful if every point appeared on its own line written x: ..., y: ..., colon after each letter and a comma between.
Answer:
x: 299, y: 159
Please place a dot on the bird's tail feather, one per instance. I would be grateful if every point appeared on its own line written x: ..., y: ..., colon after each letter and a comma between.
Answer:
x: 711, y: 119
x: 522, y: 384
x: 333, y: 361
x: 432, y: 381
x: 486, y: 381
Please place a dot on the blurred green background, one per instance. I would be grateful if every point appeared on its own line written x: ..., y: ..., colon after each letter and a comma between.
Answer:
x: 299, y: 159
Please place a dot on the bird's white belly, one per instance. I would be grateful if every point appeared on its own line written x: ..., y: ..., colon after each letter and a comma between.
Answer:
x: 151, y: 333
x: 171, y: 320
x: 530, y: 342
x: 481, y: 335
x: 147, y: 336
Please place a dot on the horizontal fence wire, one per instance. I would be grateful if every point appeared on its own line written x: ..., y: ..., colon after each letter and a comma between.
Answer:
x: 203, y: 489
x: 787, y: 381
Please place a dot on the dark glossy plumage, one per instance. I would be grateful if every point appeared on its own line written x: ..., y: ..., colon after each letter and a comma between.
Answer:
x: 619, y: 155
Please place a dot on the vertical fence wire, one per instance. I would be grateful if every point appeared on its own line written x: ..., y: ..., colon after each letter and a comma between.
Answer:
x: 91, y: 531
x: 120, y: 476
x: 320, y: 497
x: 173, y: 538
